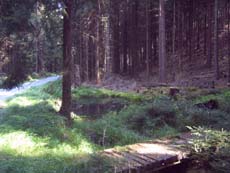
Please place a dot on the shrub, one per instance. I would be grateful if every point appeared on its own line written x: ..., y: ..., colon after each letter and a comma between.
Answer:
x: 212, y: 148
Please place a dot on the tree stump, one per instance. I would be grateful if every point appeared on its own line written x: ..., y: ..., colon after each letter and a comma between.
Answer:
x: 173, y: 92
x: 211, y: 104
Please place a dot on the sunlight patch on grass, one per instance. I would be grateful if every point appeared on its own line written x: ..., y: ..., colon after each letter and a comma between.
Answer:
x: 23, y: 101
x: 21, y: 143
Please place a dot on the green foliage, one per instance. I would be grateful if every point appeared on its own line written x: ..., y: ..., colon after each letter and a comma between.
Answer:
x: 212, y: 148
x: 33, y: 137
x: 44, y: 144
x: 108, y: 131
x: 223, y: 99
x: 88, y: 92
x: 53, y: 89
x: 150, y: 118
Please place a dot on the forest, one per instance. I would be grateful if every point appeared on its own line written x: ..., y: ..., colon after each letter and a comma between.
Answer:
x: 82, y: 78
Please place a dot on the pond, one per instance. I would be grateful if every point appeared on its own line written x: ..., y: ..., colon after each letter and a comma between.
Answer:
x: 97, y: 109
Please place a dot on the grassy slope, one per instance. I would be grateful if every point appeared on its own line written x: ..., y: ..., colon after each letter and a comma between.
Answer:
x: 33, y: 137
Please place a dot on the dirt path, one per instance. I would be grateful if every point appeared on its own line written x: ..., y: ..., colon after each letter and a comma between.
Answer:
x: 5, y: 94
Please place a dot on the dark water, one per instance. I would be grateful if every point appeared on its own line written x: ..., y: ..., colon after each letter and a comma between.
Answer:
x: 94, y: 110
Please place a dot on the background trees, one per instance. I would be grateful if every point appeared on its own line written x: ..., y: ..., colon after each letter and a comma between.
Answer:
x: 194, y: 31
x: 120, y: 37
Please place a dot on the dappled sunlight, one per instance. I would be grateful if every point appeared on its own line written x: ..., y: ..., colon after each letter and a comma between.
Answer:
x: 24, y: 144
x: 147, y: 148
x: 86, y: 147
x: 21, y: 143
x: 23, y: 101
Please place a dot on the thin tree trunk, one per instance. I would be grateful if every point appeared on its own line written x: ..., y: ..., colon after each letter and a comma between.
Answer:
x: 205, y: 34
x: 98, y: 79
x: 216, y: 54
x: 116, y: 37
x: 228, y: 11
x: 108, y: 58
x: 191, y: 31
x: 147, y: 38
x: 162, y: 46
x: 209, y: 53
x: 67, y: 63
x: 98, y: 75
x: 174, y: 28
x: 87, y: 58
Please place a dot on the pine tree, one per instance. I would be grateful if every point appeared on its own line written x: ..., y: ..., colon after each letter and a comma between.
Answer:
x: 67, y: 62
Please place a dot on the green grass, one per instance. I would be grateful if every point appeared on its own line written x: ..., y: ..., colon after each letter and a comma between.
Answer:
x: 34, y: 138
x: 212, y: 148
x: 223, y: 99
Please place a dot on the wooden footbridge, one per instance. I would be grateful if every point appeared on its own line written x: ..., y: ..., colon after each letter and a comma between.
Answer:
x: 150, y: 156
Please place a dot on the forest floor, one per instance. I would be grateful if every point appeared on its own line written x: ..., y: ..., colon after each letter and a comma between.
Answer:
x: 33, y: 137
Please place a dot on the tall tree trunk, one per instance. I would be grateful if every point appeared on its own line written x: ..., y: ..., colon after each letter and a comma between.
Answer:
x: 37, y: 30
x: 191, y: 31
x: 205, y: 34
x: 162, y: 45
x: 209, y: 48
x: 87, y: 58
x: 116, y: 36
x: 67, y: 63
x: 216, y: 50
x: 174, y: 28
x: 147, y: 38
x: 228, y: 11
x: 108, y: 58
x: 125, y: 41
x: 98, y: 44
x: 98, y: 79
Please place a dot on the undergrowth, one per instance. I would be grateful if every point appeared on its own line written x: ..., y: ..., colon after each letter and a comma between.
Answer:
x: 212, y: 148
x: 33, y: 137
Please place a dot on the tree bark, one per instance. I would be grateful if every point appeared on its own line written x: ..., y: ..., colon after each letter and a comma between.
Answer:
x: 191, y: 31
x: 108, y: 58
x: 67, y: 63
x: 216, y: 51
x: 162, y: 46
x: 209, y: 48
x: 228, y: 11
x: 174, y: 28
x: 147, y: 38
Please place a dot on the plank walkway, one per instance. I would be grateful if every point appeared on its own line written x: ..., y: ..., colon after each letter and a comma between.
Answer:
x: 150, y: 156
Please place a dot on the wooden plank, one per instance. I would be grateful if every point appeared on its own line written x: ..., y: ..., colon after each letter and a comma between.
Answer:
x: 151, y: 155
x: 128, y: 162
x: 130, y: 158
x: 121, y: 165
x: 151, y: 163
x: 142, y: 156
x: 160, y: 157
